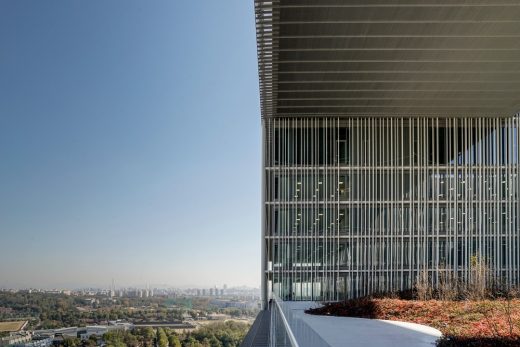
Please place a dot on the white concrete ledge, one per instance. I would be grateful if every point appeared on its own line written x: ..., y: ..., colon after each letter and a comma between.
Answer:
x: 347, y: 331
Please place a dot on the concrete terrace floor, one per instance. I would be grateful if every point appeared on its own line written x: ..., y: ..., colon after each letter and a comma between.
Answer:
x: 346, y: 331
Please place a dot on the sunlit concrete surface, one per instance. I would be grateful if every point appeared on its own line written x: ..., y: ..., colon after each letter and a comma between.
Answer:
x: 346, y: 331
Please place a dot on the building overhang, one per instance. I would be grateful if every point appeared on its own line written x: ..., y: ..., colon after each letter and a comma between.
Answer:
x: 388, y: 57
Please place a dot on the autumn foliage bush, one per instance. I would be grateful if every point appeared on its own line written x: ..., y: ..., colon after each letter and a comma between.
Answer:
x: 462, y: 323
x: 478, y: 309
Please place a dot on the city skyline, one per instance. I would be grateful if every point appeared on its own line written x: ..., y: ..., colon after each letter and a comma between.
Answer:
x: 135, y: 286
x: 115, y: 150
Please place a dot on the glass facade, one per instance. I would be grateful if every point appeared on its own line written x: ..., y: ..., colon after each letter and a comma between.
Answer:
x: 357, y: 205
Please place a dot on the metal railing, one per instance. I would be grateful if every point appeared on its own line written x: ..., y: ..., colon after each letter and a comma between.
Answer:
x: 288, y: 329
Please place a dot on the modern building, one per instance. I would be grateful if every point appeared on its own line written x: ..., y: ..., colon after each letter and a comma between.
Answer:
x: 390, y: 143
x: 16, y: 338
x: 26, y: 339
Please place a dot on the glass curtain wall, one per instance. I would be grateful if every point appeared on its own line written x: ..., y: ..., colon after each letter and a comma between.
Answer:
x: 361, y: 205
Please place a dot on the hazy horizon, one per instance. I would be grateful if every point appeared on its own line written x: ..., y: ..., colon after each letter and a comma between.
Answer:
x: 129, y: 144
x: 108, y: 286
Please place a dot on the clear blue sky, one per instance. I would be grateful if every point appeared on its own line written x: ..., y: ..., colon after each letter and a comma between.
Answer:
x: 129, y: 143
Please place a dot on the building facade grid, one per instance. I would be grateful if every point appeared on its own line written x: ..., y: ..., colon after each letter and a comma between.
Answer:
x: 358, y: 205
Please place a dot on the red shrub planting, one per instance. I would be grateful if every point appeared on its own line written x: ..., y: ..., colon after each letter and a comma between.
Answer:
x: 463, y: 323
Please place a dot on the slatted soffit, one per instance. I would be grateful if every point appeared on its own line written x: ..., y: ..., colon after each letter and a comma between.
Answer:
x: 389, y: 57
